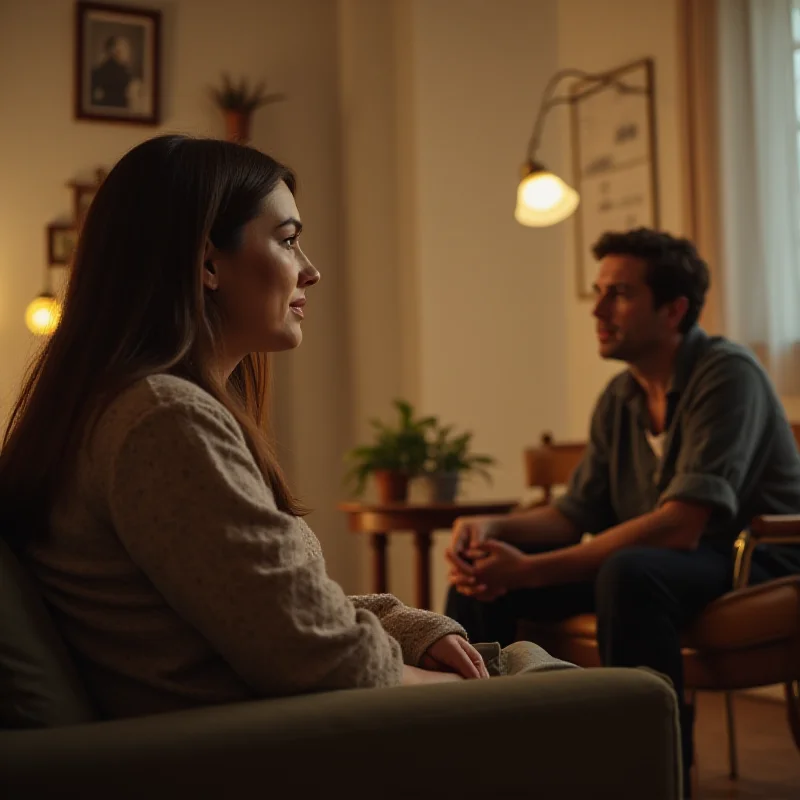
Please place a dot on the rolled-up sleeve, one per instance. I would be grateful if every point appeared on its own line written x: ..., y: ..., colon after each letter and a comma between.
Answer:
x: 723, y: 432
x: 587, y: 502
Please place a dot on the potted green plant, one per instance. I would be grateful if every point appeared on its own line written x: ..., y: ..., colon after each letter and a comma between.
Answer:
x: 449, y: 459
x: 397, y: 454
x: 238, y: 102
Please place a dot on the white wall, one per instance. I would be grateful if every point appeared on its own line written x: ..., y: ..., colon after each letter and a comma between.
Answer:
x: 293, y: 46
x: 595, y: 37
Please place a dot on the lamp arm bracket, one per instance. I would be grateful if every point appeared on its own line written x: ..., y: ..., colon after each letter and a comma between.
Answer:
x: 550, y: 100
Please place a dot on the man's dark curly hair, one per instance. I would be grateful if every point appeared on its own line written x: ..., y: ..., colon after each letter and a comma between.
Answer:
x: 674, y: 269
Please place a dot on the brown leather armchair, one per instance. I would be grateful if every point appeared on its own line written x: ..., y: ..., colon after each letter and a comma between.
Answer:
x: 749, y: 637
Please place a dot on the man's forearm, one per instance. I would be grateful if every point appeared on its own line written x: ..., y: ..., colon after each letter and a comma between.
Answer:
x: 544, y: 525
x: 671, y: 526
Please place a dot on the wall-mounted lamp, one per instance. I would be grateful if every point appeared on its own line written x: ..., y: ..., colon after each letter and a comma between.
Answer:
x: 44, y: 312
x: 542, y: 197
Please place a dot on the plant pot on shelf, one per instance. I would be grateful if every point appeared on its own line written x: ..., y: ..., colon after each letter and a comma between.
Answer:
x: 237, y: 125
x: 392, y: 486
x: 440, y: 487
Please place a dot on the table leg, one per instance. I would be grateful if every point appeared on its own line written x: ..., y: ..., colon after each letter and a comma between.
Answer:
x: 423, y: 543
x: 379, y: 580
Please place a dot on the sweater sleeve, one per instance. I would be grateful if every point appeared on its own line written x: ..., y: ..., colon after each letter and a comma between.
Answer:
x: 415, y: 629
x: 191, y: 507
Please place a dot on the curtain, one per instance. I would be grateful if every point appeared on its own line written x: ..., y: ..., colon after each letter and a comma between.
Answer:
x: 759, y: 184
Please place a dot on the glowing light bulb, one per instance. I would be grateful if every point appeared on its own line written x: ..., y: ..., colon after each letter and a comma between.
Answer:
x: 43, y: 315
x: 544, y: 199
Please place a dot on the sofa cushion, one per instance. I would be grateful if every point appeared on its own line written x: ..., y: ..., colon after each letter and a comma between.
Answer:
x: 39, y: 686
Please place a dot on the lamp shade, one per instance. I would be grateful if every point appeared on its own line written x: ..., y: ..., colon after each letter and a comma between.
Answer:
x: 543, y: 198
x: 43, y: 314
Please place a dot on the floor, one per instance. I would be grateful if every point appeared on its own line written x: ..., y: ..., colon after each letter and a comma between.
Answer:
x: 769, y: 764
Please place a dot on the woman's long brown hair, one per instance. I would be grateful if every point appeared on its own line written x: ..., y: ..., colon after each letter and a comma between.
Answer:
x: 135, y: 306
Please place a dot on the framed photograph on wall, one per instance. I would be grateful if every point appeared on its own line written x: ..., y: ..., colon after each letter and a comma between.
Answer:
x: 61, y: 241
x: 614, y: 149
x: 117, y: 63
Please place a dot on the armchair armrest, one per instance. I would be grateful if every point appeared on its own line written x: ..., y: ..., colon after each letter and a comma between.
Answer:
x: 770, y: 529
x: 465, y: 740
x: 777, y: 528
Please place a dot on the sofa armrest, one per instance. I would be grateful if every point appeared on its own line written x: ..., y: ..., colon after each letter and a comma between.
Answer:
x: 573, y: 733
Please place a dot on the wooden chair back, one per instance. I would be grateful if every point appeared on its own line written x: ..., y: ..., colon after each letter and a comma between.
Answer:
x: 551, y: 464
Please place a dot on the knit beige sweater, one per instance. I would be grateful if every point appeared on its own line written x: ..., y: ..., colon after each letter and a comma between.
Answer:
x: 177, y: 582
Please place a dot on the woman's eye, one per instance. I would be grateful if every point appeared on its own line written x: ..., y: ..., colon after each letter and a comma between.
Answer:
x: 291, y: 241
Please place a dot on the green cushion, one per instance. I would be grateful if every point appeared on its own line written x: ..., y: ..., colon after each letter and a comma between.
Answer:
x: 39, y: 686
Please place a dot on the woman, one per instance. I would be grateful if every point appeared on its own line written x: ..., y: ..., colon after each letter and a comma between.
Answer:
x: 145, y: 496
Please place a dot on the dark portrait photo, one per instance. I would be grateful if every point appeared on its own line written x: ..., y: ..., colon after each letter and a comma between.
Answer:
x: 117, y: 63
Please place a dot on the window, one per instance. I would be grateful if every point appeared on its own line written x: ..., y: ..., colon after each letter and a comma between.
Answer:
x: 796, y: 39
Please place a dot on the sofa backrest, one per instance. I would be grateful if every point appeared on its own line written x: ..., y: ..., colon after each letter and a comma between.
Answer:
x: 39, y: 685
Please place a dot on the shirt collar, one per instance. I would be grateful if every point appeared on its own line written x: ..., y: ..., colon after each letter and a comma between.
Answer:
x: 691, y: 347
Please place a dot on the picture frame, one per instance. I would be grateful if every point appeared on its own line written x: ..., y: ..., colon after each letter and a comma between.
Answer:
x: 117, y: 63
x: 82, y: 195
x: 614, y: 159
x: 61, y: 241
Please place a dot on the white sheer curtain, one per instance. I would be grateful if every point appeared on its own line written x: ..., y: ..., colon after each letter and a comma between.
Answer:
x: 760, y: 184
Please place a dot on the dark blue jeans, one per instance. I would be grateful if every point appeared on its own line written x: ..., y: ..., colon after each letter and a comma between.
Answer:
x: 643, y: 597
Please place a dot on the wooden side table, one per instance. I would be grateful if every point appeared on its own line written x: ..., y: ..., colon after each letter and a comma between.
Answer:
x: 379, y: 521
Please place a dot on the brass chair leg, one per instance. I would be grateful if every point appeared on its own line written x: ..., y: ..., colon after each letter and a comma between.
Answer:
x: 793, y: 709
x: 733, y: 758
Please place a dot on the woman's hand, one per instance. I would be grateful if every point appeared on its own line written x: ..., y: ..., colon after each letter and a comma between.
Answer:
x: 454, y: 654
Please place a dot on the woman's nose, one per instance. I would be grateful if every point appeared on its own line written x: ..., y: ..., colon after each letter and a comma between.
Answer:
x: 309, y: 275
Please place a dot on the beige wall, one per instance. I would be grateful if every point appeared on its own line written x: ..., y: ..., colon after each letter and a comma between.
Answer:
x: 489, y: 291
x: 597, y: 36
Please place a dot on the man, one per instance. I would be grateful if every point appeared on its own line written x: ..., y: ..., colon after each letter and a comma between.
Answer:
x: 686, y: 446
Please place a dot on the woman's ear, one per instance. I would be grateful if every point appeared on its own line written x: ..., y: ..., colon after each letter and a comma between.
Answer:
x: 210, y: 277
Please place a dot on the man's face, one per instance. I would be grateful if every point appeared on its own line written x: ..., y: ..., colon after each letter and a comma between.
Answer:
x: 629, y: 327
x: 122, y: 50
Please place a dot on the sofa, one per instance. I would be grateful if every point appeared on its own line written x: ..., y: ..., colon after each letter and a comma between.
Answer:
x: 567, y: 734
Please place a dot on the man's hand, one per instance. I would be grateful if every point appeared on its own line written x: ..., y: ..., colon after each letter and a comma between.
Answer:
x: 453, y: 653
x: 498, y: 567
x: 469, y: 532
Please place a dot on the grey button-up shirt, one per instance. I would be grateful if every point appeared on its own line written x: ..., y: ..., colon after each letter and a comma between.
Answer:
x: 727, y: 445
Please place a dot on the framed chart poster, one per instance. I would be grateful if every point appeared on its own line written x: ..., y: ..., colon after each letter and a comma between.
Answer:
x: 614, y: 148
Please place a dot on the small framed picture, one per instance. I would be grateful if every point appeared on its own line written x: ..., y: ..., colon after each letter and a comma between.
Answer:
x: 61, y: 241
x: 117, y: 63
x: 83, y: 196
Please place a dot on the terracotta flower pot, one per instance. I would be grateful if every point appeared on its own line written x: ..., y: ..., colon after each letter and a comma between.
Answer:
x: 392, y: 486
x: 237, y: 126
x: 441, y: 487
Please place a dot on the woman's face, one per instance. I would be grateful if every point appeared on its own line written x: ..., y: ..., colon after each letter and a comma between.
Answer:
x: 261, y: 287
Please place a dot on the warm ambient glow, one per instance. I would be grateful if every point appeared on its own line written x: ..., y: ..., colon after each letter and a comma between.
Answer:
x: 544, y: 199
x: 43, y: 314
